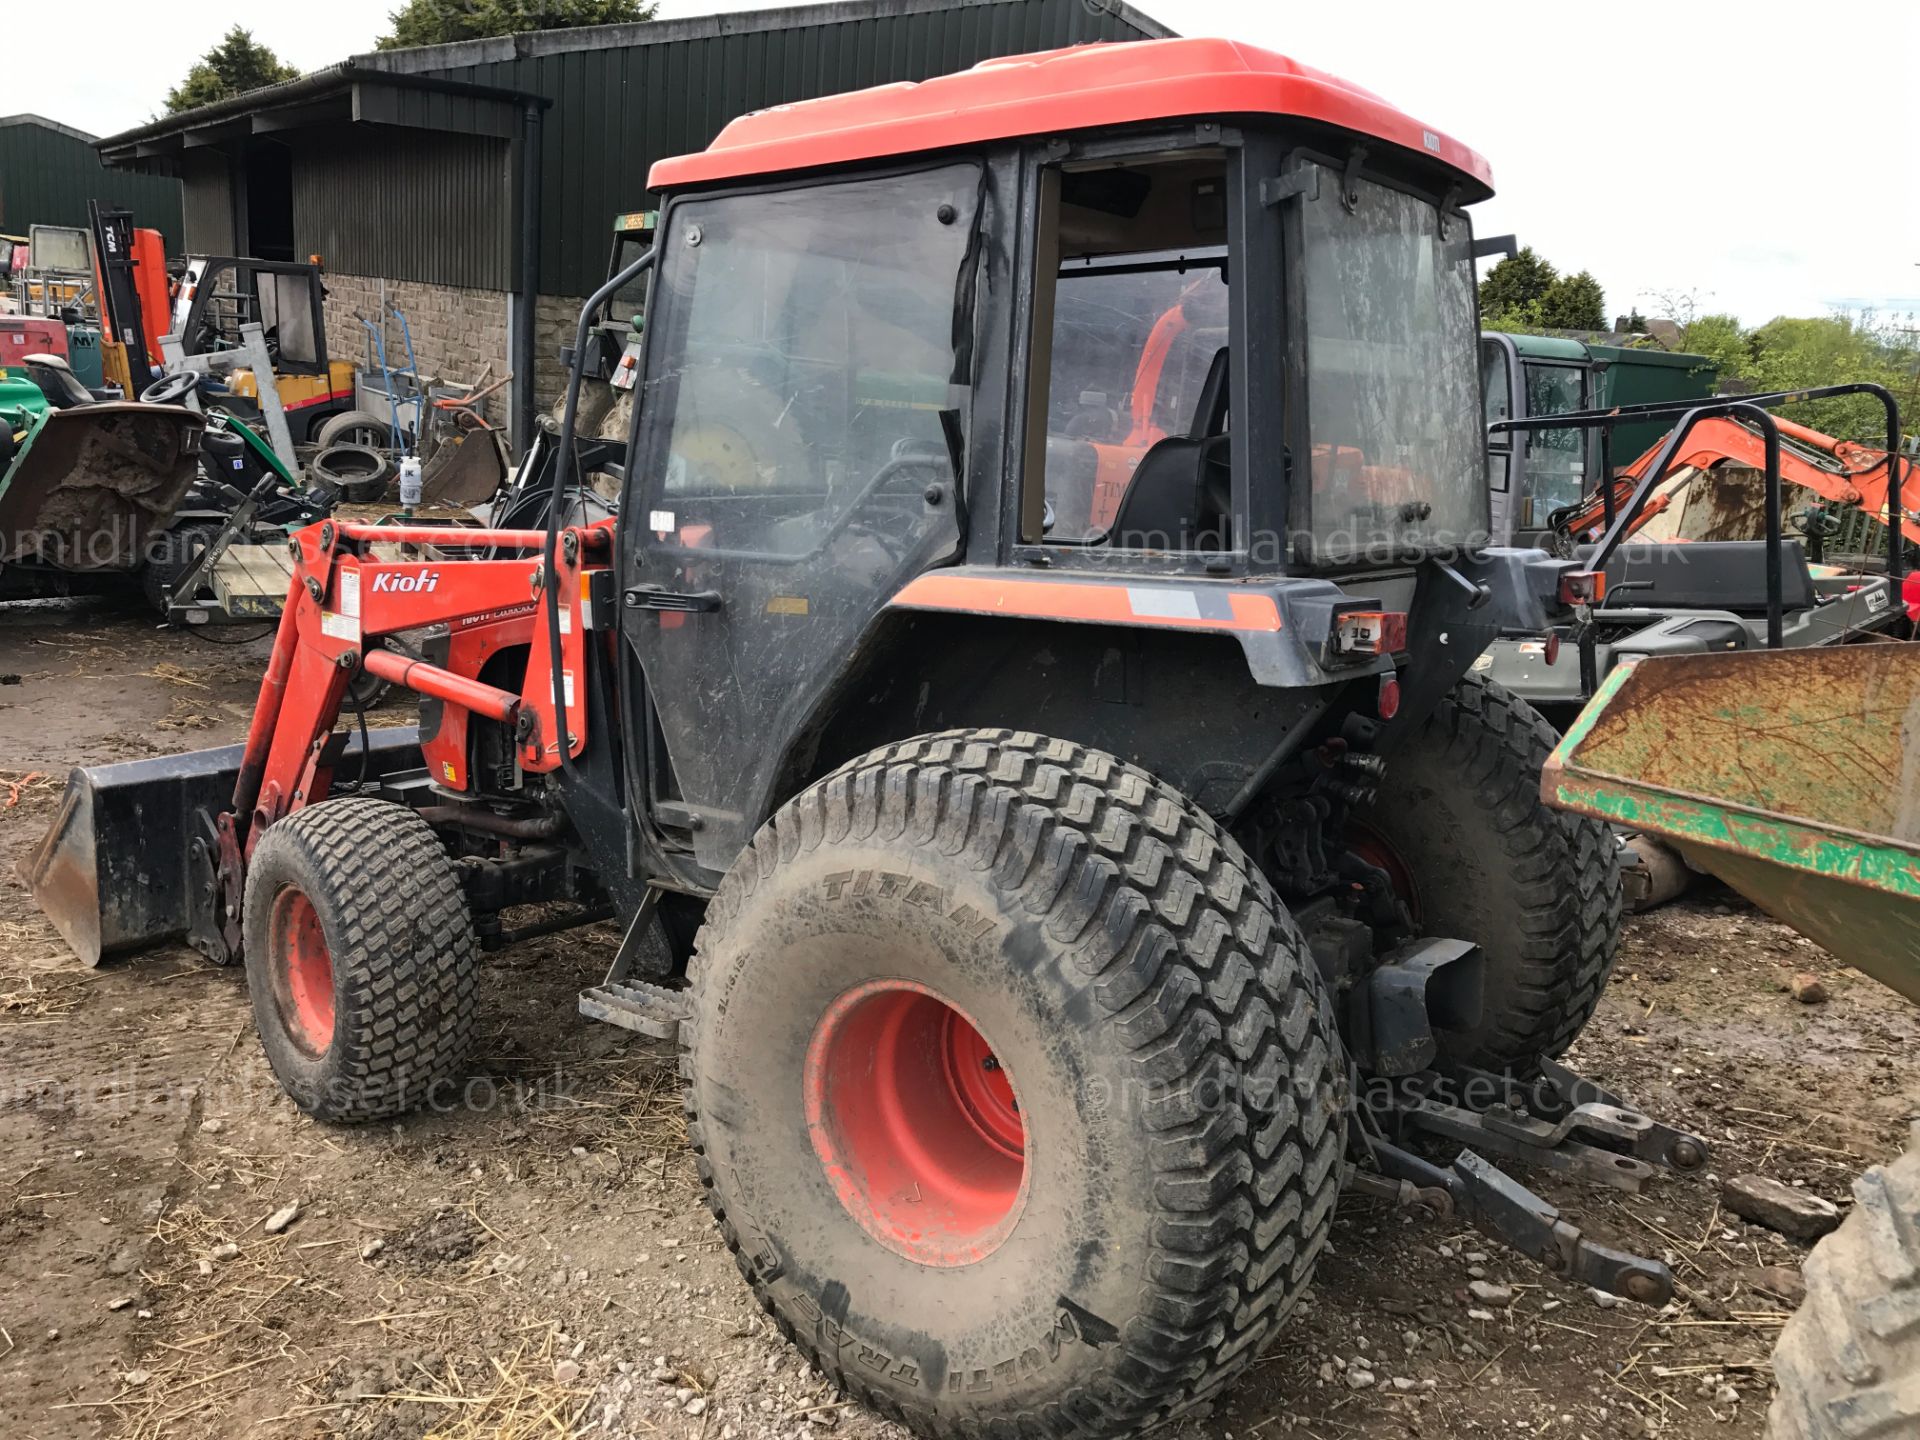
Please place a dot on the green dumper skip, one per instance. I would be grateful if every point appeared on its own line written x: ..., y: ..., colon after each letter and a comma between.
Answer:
x: 1794, y: 776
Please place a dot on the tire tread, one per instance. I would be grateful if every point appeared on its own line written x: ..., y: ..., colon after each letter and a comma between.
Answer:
x: 1186, y: 952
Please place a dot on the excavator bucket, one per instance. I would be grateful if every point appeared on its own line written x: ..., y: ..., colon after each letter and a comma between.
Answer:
x: 1794, y: 776
x: 129, y: 855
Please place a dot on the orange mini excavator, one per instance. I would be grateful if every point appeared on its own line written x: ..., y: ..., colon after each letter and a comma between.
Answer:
x: 1842, y: 472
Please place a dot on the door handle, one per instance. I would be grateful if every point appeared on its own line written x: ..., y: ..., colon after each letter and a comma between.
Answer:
x: 679, y: 602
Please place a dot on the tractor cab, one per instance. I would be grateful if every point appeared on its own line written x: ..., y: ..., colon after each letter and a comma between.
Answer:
x: 1180, y: 336
x: 1207, y: 310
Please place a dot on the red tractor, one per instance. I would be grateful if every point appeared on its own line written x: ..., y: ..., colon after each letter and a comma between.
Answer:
x: 1079, y: 844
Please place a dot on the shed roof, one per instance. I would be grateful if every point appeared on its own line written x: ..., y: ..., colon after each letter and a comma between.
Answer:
x: 533, y: 43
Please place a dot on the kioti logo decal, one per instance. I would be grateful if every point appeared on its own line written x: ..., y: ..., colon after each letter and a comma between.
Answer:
x: 388, y: 582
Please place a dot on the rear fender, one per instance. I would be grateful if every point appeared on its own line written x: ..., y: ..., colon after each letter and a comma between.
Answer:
x: 1182, y: 704
x: 1280, y: 624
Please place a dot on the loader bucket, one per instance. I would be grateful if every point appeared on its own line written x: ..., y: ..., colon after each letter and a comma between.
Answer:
x: 116, y: 870
x: 112, y: 873
x: 1792, y: 775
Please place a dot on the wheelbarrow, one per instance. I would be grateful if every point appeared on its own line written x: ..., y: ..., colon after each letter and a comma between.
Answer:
x: 1794, y: 776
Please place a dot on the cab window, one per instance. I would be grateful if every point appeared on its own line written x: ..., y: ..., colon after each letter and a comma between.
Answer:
x: 823, y: 382
x: 1127, y: 429
x: 1555, y: 472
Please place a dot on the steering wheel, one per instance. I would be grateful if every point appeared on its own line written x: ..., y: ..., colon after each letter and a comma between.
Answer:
x: 170, y: 389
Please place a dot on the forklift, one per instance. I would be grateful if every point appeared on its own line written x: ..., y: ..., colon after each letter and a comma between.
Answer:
x: 1055, y: 919
x: 218, y: 295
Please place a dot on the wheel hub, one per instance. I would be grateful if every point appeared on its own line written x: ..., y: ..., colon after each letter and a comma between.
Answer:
x: 916, y: 1122
x: 303, y: 971
x: 1373, y: 847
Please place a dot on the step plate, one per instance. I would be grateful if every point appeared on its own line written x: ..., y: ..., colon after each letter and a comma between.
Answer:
x: 651, y: 1010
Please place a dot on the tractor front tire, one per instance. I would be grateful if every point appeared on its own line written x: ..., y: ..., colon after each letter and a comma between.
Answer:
x: 361, y: 959
x: 1461, y: 828
x: 1013, y: 1089
x: 1848, y: 1362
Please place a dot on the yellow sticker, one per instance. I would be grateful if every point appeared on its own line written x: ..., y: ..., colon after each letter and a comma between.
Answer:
x: 787, y: 605
x: 446, y: 769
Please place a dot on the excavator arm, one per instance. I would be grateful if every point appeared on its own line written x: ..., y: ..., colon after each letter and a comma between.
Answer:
x: 1841, y: 471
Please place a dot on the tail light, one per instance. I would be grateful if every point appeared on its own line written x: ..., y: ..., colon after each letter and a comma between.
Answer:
x: 1911, y: 594
x: 1583, y: 587
x: 1370, y: 632
x: 1387, y: 704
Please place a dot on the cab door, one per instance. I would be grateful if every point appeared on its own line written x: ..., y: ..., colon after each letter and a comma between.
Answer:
x: 801, y: 424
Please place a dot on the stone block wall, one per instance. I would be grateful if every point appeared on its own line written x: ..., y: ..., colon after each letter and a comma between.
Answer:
x: 556, y: 317
x: 455, y: 331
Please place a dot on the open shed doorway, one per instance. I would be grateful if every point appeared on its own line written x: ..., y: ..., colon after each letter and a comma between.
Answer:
x: 269, y: 201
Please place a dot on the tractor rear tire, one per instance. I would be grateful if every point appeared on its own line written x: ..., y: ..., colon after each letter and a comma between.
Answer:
x: 361, y: 959
x: 1004, y: 1015
x: 1479, y: 856
x: 1848, y: 1362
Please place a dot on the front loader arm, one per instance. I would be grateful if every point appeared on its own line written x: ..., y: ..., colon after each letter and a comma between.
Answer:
x: 342, y: 600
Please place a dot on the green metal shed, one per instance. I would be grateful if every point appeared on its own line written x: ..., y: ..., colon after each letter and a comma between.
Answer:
x: 498, y: 165
x: 49, y: 171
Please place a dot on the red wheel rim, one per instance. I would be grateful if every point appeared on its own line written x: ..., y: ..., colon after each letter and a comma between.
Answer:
x: 303, y: 971
x: 1371, y: 846
x: 916, y: 1122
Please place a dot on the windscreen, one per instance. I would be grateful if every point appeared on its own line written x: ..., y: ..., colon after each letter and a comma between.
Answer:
x: 1393, y: 399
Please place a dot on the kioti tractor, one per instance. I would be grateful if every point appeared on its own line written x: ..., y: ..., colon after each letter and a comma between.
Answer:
x: 1060, y: 823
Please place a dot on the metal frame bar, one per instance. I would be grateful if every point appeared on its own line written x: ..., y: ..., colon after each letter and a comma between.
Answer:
x: 1755, y: 408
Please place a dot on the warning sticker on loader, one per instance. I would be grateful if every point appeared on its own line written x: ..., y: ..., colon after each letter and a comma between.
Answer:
x: 340, y: 627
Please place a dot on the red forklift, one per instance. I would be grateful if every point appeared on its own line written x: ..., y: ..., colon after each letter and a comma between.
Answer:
x: 1060, y: 894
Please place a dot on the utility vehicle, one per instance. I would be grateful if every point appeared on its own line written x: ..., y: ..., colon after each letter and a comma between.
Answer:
x: 1047, y: 745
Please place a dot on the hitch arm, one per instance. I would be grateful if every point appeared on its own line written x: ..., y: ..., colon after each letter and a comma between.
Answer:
x: 1500, y: 1206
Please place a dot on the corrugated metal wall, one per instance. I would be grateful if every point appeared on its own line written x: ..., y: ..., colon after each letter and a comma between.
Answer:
x: 617, y: 110
x: 47, y: 176
x: 208, y: 190
x: 406, y: 204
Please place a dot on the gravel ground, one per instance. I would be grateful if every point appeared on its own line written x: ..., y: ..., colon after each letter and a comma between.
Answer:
x: 534, y: 1259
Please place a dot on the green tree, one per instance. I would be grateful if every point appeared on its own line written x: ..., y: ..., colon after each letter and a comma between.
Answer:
x: 1799, y: 354
x: 437, y: 22
x: 1512, y: 290
x: 1723, y: 340
x: 239, y: 63
x: 1574, y: 302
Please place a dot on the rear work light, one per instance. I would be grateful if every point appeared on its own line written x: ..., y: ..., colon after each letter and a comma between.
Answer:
x: 1583, y: 587
x: 1370, y: 632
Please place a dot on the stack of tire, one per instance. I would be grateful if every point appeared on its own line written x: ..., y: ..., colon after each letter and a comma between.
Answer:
x: 353, y: 459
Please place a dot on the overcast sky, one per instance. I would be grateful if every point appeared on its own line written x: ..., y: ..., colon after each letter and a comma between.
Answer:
x: 1669, y: 146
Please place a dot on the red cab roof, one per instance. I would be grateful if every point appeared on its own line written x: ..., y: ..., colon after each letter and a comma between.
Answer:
x: 1084, y: 88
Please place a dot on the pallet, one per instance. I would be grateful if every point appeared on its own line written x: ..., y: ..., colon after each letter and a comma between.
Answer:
x: 250, y: 582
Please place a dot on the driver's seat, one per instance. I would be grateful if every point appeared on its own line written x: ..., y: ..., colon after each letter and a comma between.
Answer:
x: 1180, y: 494
x: 57, y: 381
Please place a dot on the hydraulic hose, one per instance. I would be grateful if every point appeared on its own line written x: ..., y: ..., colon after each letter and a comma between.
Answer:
x: 565, y: 469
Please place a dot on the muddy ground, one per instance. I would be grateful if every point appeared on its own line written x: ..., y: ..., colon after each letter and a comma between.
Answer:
x: 535, y: 1260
